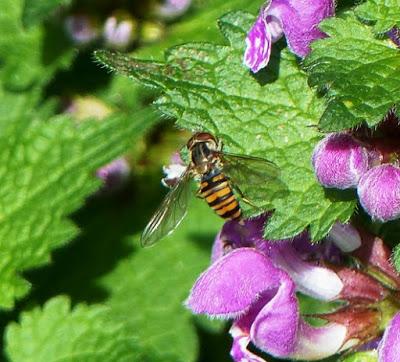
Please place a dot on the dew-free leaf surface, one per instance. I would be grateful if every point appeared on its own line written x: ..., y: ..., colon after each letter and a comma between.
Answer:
x: 47, y: 169
x: 384, y: 13
x: 57, y: 332
x: 360, y: 72
x: 272, y: 115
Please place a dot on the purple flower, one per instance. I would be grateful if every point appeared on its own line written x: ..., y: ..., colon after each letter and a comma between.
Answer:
x: 114, y: 174
x: 394, y: 34
x: 81, y: 28
x: 296, y: 19
x: 389, y: 347
x: 254, y: 282
x: 246, y: 286
x: 171, y: 9
x: 119, y: 30
x: 379, y: 192
x: 339, y: 161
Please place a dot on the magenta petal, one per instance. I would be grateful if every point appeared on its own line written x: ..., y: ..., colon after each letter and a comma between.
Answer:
x: 274, y: 329
x: 389, y: 348
x: 300, y: 19
x: 316, y: 281
x: 315, y: 343
x: 230, y: 285
x: 258, y: 46
x: 239, y: 351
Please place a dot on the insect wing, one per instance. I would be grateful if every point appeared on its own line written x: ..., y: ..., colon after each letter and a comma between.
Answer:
x: 170, y: 213
x: 257, y: 179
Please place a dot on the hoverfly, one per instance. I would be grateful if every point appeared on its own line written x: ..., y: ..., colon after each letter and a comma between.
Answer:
x: 220, y: 174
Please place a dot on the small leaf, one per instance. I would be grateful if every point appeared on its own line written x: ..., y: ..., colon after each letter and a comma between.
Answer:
x: 55, y: 333
x: 368, y: 356
x: 384, y: 13
x: 361, y: 74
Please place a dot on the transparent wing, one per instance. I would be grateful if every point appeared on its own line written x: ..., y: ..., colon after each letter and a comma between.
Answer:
x: 256, y: 179
x: 170, y: 213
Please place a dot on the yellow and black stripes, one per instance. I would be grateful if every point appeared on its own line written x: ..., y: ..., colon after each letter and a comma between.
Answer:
x: 219, y: 196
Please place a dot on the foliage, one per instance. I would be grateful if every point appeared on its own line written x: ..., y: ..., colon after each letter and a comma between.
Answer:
x: 361, y: 74
x: 207, y: 88
x: 74, y: 283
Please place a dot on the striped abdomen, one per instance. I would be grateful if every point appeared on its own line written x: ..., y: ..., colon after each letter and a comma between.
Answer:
x: 218, y: 193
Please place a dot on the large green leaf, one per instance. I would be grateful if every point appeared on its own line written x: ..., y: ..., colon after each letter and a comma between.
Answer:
x: 206, y: 87
x: 47, y: 169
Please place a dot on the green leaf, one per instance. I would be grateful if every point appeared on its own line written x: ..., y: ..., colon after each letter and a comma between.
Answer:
x: 198, y: 25
x: 147, y: 289
x: 361, y: 73
x: 384, y: 13
x: 47, y: 169
x: 36, y: 11
x: 29, y: 57
x: 396, y: 257
x: 57, y: 333
x: 206, y: 87
x: 368, y: 356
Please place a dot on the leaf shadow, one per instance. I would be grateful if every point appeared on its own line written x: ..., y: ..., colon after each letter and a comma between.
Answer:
x: 106, y: 223
x: 270, y: 73
x: 340, y: 195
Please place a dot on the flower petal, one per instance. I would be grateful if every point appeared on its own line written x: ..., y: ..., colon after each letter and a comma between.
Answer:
x: 239, y: 351
x: 230, y: 285
x: 300, y: 19
x: 345, y: 236
x: 258, y: 42
x: 389, y: 348
x: 315, y: 343
x: 316, y: 281
x: 275, y: 328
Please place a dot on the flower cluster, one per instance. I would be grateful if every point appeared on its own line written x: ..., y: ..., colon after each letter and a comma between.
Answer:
x: 253, y: 282
x: 368, y: 163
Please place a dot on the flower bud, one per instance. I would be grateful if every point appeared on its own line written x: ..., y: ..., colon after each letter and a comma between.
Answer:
x: 81, y: 28
x: 339, y: 161
x: 375, y: 256
x: 171, y: 9
x: 379, y: 192
x: 120, y: 30
x: 345, y: 236
x: 362, y: 323
x: 359, y: 286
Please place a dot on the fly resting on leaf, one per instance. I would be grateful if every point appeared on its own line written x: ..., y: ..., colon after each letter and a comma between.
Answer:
x: 220, y: 174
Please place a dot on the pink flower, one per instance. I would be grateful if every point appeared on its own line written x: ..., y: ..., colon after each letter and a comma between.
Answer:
x: 379, y: 192
x: 339, y: 161
x: 296, y: 19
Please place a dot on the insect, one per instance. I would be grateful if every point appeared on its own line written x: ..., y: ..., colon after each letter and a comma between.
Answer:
x: 221, y: 175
